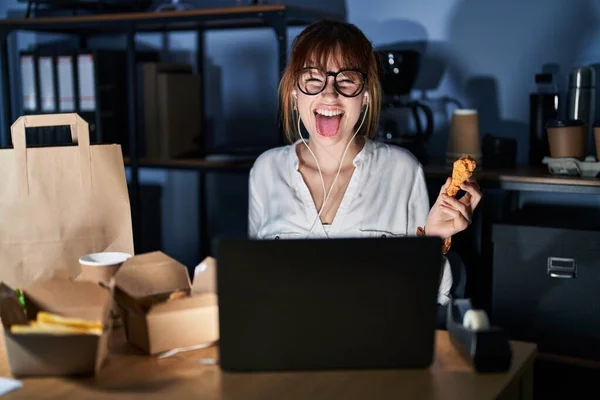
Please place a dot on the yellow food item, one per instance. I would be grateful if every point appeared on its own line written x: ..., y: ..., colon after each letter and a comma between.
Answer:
x: 48, y: 323
x: 177, y: 295
x: 54, y: 319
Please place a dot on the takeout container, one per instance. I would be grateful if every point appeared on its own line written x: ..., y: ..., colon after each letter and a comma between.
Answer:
x: 100, y: 268
x: 56, y: 354
x: 153, y: 323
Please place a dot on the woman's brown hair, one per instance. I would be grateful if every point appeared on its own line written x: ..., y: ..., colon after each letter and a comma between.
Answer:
x: 319, y: 41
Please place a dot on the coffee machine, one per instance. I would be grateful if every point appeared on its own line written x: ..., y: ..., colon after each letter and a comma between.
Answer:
x: 404, y: 122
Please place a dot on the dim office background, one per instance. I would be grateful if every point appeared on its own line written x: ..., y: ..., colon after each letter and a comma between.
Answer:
x: 483, y: 53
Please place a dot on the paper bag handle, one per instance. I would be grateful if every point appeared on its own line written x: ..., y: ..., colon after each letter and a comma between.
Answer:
x: 80, y: 134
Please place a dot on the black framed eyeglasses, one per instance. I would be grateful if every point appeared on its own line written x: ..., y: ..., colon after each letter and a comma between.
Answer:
x: 347, y: 82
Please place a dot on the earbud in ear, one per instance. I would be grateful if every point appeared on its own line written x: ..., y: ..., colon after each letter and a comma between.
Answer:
x: 294, y: 93
x: 366, y: 94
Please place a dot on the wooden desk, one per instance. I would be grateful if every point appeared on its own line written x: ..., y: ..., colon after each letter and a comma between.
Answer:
x: 536, y: 179
x: 129, y: 374
x: 524, y: 178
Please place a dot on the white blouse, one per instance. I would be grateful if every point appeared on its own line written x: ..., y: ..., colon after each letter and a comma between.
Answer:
x: 281, y: 206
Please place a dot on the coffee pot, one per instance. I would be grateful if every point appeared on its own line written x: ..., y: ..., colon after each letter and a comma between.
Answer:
x: 404, y: 121
x: 401, y: 124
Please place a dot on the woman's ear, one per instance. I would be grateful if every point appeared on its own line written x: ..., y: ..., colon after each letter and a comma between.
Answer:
x: 365, y: 98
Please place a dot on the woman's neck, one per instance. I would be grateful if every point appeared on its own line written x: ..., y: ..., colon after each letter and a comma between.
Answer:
x: 329, y: 157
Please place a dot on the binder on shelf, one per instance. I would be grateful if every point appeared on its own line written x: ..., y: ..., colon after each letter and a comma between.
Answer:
x: 40, y: 86
x: 85, y: 76
x: 47, y: 85
x: 87, y: 82
x: 47, y: 136
x: 28, y: 85
x: 66, y: 84
x: 92, y: 83
x: 29, y: 91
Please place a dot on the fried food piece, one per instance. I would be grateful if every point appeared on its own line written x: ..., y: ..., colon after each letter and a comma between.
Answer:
x: 462, y: 170
x: 53, y: 329
x: 149, y: 301
x: 47, y: 323
x: 177, y: 295
x: 53, y: 319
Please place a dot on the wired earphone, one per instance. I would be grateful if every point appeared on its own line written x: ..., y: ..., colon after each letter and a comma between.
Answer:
x: 326, y: 196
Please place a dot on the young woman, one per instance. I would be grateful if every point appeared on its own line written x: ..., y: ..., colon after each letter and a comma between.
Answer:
x: 339, y: 182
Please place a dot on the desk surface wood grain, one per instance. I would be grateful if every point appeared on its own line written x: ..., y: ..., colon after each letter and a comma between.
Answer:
x: 127, y: 373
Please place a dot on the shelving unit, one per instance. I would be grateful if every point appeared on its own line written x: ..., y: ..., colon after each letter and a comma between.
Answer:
x: 277, y: 17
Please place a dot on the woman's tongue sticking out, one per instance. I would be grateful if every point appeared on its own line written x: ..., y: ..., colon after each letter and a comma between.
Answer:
x: 328, y: 122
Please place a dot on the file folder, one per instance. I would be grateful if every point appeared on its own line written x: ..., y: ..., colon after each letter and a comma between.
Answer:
x: 66, y: 90
x: 46, y: 74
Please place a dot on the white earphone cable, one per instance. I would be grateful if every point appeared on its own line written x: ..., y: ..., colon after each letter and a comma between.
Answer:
x: 326, y: 197
x: 318, y: 166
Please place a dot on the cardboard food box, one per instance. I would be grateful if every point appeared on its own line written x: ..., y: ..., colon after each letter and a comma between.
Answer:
x: 51, y: 354
x: 161, y: 309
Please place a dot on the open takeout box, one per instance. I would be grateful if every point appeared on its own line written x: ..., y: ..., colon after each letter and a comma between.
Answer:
x: 161, y: 309
x: 51, y: 354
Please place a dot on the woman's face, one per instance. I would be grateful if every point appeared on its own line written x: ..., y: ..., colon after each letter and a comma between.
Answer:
x: 329, y: 117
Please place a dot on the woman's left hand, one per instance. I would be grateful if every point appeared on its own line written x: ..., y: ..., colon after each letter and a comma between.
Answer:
x: 449, y: 215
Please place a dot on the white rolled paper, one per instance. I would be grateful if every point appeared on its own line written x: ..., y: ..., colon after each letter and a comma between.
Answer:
x: 476, y: 320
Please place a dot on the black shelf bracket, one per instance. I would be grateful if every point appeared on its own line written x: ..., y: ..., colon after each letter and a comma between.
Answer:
x: 136, y: 214
x: 5, y: 81
x: 279, y: 23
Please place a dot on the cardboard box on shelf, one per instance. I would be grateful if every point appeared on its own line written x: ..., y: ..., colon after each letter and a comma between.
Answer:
x: 56, y: 354
x: 161, y: 309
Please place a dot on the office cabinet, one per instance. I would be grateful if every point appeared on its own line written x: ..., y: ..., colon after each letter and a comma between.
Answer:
x: 546, y: 281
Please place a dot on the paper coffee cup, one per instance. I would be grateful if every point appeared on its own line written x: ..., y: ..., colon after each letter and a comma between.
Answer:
x: 463, y: 138
x: 597, y: 139
x: 100, y: 267
x: 566, y: 138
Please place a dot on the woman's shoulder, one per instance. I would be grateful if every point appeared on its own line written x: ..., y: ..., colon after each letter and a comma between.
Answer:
x: 393, y: 156
x: 274, y: 158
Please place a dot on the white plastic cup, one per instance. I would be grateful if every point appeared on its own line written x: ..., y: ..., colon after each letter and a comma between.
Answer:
x: 101, y: 267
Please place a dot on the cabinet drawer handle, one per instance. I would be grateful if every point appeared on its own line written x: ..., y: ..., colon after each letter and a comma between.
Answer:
x: 562, y: 268
x: 563, y: 275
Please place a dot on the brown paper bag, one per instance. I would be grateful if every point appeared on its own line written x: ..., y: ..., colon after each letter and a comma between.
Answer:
x: 59, y: 203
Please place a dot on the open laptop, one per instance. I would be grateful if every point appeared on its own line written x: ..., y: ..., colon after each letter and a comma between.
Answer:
x: 327, y: 303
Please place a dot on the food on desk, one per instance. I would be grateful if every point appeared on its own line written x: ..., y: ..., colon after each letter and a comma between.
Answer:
x: 48, y: 323
x: 462, y: 170
x: 21, y: 298
x: 149, y: 301
x: 177, y: 295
